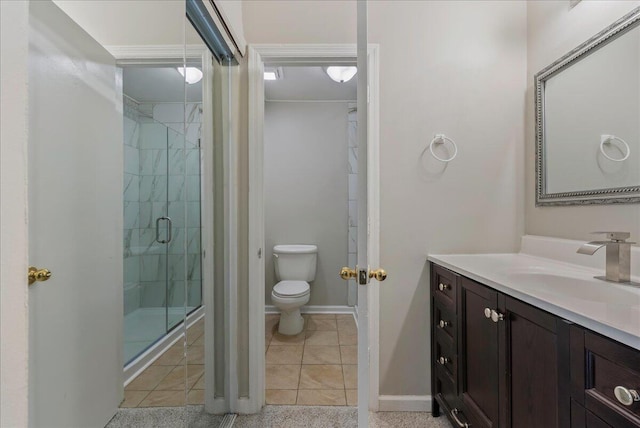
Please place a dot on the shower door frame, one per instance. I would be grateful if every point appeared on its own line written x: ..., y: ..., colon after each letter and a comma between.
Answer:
x: 298, y: 54
x: 160, y: 55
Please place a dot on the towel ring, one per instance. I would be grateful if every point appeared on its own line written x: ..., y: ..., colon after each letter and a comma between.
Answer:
x: 440, y: 139
x: 606, y: 139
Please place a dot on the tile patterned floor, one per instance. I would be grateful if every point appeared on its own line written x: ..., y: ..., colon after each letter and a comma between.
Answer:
x: 163, y: 384
x: 317, y: 367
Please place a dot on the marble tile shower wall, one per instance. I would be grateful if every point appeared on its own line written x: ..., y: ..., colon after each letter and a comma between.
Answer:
x: 352, y: 152
x: 162, y: 189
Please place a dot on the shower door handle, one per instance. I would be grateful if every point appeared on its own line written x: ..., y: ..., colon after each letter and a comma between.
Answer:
x: 163, y: 241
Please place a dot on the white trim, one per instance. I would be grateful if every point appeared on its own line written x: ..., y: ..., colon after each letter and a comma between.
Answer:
x: 313, y: 309
x: 310, y: 101
x: 155, y: 54
x: 218, y: 406
x: 405, y: 403
x: 256, y: 233
x: 297, y: 55
x: 14, y: 231
x: 207, y: 235
x: 231, y: 249
x: 148, y: 357
x: 373, y: 200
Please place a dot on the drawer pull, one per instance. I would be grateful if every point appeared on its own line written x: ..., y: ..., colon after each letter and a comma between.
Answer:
x: 454, y: 415
x: 443, y: 360
x: 443, y: 324
x: 626, y: 396
x: 443, y: 287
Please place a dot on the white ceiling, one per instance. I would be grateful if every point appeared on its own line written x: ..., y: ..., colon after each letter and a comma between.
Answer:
x: 158, y: 84
x: 309, y: 83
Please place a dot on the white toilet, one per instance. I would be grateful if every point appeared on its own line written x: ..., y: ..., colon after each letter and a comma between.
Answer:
x: 295, y: 268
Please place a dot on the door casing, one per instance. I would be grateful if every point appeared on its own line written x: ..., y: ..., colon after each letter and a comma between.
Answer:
x: 299, y: 54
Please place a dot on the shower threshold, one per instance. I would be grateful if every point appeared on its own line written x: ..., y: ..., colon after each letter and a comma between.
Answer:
x: 155, y: 351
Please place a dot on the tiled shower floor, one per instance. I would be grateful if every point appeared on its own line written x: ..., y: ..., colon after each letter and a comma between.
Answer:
x: 162, y: 384
x: 318, y: 367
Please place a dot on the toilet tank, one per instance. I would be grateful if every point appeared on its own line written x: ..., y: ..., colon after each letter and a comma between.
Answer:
x: 295, y: 262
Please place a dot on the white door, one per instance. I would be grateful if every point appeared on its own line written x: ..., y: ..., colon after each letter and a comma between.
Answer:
x: 75, y: 225
x: 367, y: 246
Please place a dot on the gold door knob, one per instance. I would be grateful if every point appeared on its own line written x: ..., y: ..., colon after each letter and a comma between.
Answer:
x: 346, y: 273
x: 36, y: 274
x: 379, y: 274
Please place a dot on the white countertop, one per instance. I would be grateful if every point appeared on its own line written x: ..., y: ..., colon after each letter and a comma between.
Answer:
x: 564, y: 289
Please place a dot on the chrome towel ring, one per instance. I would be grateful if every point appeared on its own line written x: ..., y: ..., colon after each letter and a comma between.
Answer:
x: 606, y: 139
x: 441, y: 139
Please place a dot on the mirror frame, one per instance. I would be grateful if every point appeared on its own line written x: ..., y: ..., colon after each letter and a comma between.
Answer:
x: 616, y: 195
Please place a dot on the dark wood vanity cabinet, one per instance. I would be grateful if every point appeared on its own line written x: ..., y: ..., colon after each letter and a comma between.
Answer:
x: 598, y: 366
x: 505, y: 368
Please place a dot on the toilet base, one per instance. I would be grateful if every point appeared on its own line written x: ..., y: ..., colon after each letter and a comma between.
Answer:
x: 291, y: 323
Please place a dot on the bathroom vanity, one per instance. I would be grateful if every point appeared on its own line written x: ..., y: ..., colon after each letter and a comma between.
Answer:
x: 523, y: 341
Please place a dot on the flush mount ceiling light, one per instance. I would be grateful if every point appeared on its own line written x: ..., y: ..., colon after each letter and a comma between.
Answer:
x: 192, y: 74
x: 341, y: 74
x: 273, y: 73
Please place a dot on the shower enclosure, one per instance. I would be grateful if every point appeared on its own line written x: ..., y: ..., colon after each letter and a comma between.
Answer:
x: 162, y: 274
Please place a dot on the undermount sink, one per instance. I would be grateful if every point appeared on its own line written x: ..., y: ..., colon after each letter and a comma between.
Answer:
x: 574, y: 283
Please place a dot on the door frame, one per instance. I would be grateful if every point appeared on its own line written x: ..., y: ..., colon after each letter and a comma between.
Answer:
x: 303, y: 54
x: 159, y: 55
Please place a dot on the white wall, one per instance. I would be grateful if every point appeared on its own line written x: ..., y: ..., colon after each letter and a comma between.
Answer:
x: 131, y: 22
x: 553, y: 30
x: 14, y: 44
x: 231, y: 11
x: 452, y: 67
x: 305, y: 172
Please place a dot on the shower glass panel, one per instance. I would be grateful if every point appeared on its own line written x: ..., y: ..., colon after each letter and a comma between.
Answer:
x: 185, y: 284
x: 146, y: 229
x: 162, y: 268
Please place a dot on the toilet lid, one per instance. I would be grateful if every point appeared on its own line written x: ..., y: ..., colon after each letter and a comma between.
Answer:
x: 291, y: 288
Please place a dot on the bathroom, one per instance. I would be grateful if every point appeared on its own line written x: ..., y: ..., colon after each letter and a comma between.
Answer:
x: 310, y: 177
x: 462, y: 70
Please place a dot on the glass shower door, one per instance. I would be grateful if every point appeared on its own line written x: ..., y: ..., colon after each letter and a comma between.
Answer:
x: 148, y: 229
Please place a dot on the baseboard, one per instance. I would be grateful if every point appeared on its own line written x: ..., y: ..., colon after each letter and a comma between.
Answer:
x: 312, y: 309
x: 218, y: 406
x: 405, y: 403
x: 246, y: 406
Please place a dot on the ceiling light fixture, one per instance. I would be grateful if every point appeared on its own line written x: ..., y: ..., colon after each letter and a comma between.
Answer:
x: 192, y: 74
x: 341, y: 74
x: 273, y: 73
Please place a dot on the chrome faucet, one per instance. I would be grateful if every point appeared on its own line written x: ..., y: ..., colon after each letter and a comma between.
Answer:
x: 618, y: 265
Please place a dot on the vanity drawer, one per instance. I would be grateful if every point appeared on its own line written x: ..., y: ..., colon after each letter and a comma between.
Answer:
x: 610, y: 365
x: 445, y: 324
x: 444, y: 287
x: 446, y: 360
x: 446, y: 389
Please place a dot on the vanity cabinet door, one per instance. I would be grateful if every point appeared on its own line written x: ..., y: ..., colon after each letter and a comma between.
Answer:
x: 537, y: 386
x: 478, y: 379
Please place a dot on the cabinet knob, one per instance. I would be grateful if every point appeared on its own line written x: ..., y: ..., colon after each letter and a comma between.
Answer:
x: 626, y: 396
x: 443, y: 323
x: 496, y: 316
x: 443, y: 360
x: 443, y: 287
x: 487, y: 313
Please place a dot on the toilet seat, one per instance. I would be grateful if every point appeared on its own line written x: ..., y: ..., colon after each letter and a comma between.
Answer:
x: 291, y: 289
